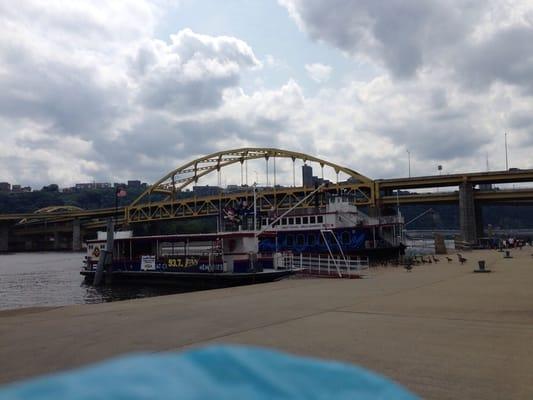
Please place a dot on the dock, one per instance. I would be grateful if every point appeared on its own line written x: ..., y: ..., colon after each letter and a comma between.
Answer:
x: 440, y: 330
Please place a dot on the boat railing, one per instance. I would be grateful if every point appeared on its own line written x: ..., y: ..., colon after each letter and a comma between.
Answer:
x: 323, y: 264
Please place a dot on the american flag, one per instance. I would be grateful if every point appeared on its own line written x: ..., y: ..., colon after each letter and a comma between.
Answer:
x: 121, y: 192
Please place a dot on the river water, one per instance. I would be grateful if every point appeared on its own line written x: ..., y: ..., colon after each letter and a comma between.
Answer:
x: 53, y: 279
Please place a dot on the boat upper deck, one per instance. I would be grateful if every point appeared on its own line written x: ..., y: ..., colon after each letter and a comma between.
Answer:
x: 198, y: 237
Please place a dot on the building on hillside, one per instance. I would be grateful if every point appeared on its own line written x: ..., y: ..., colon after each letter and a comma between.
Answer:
x: 83, y: 186
x: 319, y: 181
x: 134, y: 184
x: 307, y: 176
x: 206, y: 190
x: 53, y: 187
x: 20, y: 189
x: 234, y: 189
x: 309, y: 180
x: 92, y: 185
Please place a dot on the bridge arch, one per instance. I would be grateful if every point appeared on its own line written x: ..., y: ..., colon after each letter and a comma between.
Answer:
x: 57, y: 209
x: 51, y: 210
x: 188, y: 173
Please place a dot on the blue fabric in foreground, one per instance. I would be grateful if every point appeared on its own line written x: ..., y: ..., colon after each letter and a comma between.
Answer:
x: 218, y: 372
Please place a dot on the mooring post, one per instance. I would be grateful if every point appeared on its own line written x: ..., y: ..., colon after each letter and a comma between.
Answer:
x: 106, y: 256
x: 76, y: 235
x: 4, y: 237
x: 57, y: 241
x: 481, y: 267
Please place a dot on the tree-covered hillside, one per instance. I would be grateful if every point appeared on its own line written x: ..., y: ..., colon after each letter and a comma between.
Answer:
x: 86, y: 199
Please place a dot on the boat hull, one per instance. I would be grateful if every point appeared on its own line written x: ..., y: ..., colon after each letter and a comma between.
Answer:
x: 202, y: 280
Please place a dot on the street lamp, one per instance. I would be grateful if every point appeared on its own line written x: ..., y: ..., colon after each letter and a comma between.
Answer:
x: 506, y: 158
x: 439, y: 168
x: 409, y: 161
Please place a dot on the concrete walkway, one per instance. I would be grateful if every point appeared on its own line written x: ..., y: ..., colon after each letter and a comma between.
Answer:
x: 440, y: 330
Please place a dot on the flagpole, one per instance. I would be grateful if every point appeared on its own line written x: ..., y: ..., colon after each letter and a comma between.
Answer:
x: 116, y: 202
x: 119, y: 192
x: 255, y: 206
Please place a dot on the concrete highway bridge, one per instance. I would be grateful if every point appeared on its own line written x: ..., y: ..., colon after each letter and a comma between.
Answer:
x: 167, y: 198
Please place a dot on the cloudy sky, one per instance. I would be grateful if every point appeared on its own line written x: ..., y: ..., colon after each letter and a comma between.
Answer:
x: 110, y: 91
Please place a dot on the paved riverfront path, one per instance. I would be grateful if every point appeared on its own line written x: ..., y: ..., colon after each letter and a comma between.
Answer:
x: 440, y: 330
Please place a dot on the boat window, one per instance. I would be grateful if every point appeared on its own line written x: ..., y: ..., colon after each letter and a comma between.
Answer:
x: 345, y: 237
x: 320, y: 219
x: 284, y: 221
x: 291, y: 221
x: 298, y: 220
x: 290, y: 240
x: 305, y: 220
x: 264, y: 222
x: 300, y: 240
x: 320, y: 239
x: 312, y: 219
x: 311, y: 240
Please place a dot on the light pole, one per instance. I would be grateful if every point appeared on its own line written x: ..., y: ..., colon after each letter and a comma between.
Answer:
x: 409, y: 161
x: 255, y: 206
x: 506, y: 157
x: 439, y: 168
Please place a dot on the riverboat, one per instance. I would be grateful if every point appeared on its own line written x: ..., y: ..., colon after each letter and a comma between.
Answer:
x: 338, y: 229
x: 200, y: 261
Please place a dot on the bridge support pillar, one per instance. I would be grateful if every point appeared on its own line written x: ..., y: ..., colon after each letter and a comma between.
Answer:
x: 76, y: 235
x: 480, y: 230
x: 4, y: 237
x: 467, y: 212
x: 57, y: 240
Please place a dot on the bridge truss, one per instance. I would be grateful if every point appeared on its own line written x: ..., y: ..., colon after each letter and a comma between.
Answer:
x: 171, y: 204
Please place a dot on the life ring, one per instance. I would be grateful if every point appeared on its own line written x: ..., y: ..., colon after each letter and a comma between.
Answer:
x: 96, y: 252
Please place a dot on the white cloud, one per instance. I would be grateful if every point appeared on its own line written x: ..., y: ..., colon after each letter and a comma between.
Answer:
x: 474, y: 39
x: 318, y: 72
x: 79, y: 80
x: 191, y: 72
x: 89, y: 92
x: 457, y: 74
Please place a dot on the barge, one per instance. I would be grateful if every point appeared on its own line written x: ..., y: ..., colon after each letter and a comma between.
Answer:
x: 200, y: 261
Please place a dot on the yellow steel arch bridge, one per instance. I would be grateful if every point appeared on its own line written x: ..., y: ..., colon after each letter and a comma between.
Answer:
x: 51, y: 210
x: 170, y: 203
x: 165, y: 199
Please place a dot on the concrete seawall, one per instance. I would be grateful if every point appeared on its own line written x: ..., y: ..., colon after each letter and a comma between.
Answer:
x: 440, y: 330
